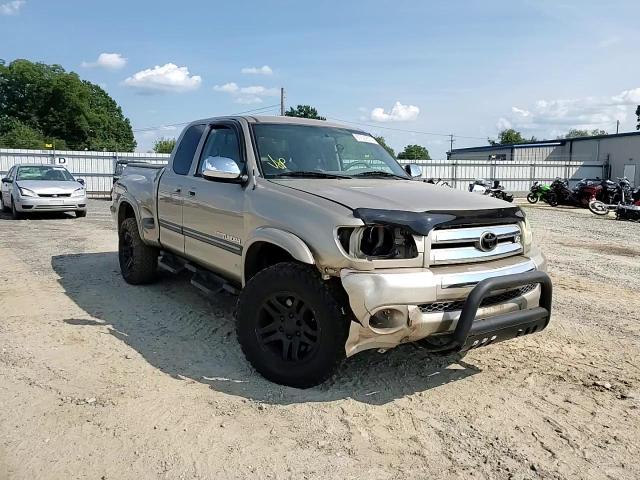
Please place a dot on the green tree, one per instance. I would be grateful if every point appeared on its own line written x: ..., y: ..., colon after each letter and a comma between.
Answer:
x: 575, y: 133
x: 383, y: 144
x: 61, y: 106
x: 509, y: 136
x: 414, y: 152
x: 304, y: 111
x: 164, y: 145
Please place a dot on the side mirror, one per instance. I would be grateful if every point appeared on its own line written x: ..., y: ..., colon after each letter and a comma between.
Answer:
x: 7, y: 180
x: 221, y: 168
x: 80, y: 181
x: 413, y: 170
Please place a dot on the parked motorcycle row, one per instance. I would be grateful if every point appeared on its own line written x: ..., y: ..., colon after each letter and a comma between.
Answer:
x: 599, y: 196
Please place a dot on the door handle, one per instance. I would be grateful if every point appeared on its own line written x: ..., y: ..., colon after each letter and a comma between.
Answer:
x: 192, y: 193
x: 177, y: 190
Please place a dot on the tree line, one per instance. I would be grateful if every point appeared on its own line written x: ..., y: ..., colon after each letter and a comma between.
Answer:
x: 44, y: 106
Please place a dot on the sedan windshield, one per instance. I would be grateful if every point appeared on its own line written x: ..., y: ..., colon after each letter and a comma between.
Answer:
x: 44, y: 172
x: 322, y: 152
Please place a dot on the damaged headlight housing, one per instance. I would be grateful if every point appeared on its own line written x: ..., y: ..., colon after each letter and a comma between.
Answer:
x: 377, y: 242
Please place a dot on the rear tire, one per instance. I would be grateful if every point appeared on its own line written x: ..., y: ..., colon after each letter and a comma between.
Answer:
x: 81, y: 213
x: 292, y: 326
x: 532, y: 198
x: 138, y: 261
x: 14, y: 212
x: 552, y: 199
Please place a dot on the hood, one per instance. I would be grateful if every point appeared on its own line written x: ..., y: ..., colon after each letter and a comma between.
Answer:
x: 387, y: 194
x: 49, y: 187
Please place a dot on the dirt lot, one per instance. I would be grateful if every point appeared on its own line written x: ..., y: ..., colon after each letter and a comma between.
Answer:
x: 101, y: 380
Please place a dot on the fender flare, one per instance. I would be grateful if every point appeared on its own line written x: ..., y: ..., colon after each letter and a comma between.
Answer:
x: 145, y: 219
x: 293, y: 244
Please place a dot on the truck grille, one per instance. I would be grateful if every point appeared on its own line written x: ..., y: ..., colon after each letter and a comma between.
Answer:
x: 474, y: 244
x: 454, y: 305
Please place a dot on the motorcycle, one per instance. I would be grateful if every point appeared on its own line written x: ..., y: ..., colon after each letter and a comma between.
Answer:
x: 439, y: 181
x: 537, y: 192
x: 484, y: 188
x: 627, y: 207
x: 584, y: 192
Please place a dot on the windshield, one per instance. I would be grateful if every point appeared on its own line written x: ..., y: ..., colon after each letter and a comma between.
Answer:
x: 297, y: 150
x: 44, y: 172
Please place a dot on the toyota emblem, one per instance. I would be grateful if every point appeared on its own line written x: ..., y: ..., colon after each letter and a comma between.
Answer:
x: 488, y: 241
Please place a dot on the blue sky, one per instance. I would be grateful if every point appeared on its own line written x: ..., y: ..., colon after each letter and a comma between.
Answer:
x: 462, y: 67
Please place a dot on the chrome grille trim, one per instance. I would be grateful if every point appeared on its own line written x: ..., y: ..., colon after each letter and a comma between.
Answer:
x: 461, y: 245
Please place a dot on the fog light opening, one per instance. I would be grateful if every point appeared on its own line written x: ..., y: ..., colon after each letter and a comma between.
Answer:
x: 388, y: 320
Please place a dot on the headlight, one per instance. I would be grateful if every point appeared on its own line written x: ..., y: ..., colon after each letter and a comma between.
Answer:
x: 377, y: 242
x: 527, y: 236
x: 78, y: 192
x: 25, y: 192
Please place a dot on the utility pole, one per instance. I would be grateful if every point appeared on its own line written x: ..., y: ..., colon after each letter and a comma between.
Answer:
x: 451, y: 140
x: 282, y: 101
x: 617, y: 126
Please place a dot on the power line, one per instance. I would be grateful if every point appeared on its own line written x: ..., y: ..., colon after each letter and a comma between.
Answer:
x: 405, y: 130
x: 254, y: 110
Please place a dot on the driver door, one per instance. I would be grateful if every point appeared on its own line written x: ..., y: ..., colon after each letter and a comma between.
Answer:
x: 213, y: 221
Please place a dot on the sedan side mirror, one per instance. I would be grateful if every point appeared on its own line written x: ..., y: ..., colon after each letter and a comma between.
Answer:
x: 7, y: 180
x: 413, y: 170
x: 80, y: 181
x: 221, y: 168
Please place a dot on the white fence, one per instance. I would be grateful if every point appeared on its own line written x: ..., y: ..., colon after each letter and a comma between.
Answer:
x: 96, y: 168
x: 515, y: 176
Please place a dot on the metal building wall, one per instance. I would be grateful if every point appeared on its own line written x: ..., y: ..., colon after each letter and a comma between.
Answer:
x: 96, y: 168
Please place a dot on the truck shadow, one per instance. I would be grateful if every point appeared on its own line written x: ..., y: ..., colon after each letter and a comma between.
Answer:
x: 188, y: 336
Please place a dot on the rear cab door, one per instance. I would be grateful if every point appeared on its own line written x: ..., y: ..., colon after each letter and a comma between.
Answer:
x: 171, y: 189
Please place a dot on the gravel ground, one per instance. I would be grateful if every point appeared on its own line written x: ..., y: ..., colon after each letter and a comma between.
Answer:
x: 101, y: 380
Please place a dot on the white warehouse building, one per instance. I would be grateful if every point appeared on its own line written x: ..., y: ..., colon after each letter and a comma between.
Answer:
x: 608, y: 156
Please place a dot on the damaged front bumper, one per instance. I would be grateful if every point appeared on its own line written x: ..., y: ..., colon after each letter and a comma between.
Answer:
x: 454, y: 309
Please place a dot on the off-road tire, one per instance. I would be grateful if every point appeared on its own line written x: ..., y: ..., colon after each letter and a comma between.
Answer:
x: 138, y: 261
x: 81, y: 213
x: 329, y: 312
x: 15, y: 214
x: 532, y: 198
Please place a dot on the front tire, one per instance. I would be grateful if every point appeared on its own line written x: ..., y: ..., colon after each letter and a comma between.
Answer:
x: 292, y: 326
x: 138, y: 261
x: 532, y: 198
x: 81, y: 213
x: 3, y: 207
x: 15, y: 214
x: 598, y: 207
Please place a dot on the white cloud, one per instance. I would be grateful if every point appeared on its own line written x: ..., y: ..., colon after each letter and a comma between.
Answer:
x: 263, y: 70
x: 247, y: 95
x: 110, y: 61
x: 503, y: 124
x: 399, y: 113
x: 230, y: 87
x: 167, y: 78
x: 11, y: 8
x: 550, y: 116
x: 609, y: 41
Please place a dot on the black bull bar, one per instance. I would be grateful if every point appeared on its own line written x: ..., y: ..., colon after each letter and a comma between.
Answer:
x: 472, y: 332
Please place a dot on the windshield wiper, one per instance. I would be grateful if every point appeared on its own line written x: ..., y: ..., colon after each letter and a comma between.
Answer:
x: 307, y: 174
x: 379, y: 173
